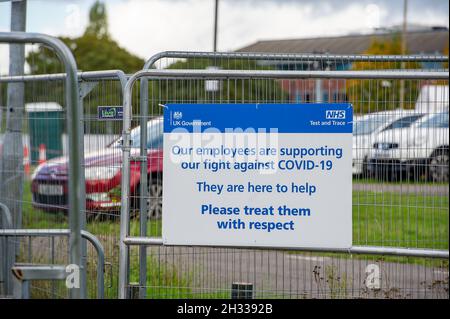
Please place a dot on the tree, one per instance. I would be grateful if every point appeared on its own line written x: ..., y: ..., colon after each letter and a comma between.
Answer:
x: 98, y: 22
x: 379, y: 95
x: 94, y: 50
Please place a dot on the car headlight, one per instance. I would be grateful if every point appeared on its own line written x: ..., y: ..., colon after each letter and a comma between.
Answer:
x: 100, y: 172
x: 36, y: 171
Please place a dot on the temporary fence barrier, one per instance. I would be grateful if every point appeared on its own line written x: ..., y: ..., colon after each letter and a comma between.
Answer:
x: 173, y: 271
x: 43, y: 211
x: 187, y: 86
x: 76, y: 179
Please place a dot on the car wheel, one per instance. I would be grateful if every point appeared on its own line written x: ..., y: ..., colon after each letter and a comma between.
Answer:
x: 365, y: 171
x: 438, y: 169
x: 154, y: 200
x: 411, y: 174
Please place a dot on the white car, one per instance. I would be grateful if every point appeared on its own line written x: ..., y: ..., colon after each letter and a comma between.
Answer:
x: 367, y: 128
x: 422, y: 149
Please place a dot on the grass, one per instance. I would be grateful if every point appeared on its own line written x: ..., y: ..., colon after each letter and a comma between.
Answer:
x: 165, y: 281
x: 379, y: 219
x: 401, y: 220
x: 109, y: 225
x: 398, y: 220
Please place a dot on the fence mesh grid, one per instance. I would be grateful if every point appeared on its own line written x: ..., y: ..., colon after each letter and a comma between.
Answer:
x: 35, y: 132
x: 103, y: 157
x: 392, y: 206
x: 395, y: 203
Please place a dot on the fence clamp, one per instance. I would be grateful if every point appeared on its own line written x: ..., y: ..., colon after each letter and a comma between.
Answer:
x: 126, y: 141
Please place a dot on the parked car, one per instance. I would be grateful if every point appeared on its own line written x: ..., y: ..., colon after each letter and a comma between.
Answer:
x: 103, y: 176
x: 366, y: 129
x: 421, y: 150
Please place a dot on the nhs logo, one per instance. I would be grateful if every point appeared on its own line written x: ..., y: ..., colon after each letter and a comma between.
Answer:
x: 335, y: 114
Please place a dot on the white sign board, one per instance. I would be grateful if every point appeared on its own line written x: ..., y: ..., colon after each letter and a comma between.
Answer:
x: 274, y: 175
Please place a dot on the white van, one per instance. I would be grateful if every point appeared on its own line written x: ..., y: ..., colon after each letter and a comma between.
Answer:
x: 432, y: 99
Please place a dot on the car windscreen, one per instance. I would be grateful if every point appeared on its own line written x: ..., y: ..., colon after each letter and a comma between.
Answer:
x: 439, y: 120
x: 369, y: 125
x: 154, y: 135
x: 403, y: 122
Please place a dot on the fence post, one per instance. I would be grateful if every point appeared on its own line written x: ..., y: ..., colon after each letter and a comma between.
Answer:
x: 83, y: 274
x: 143, y: 205
x: 11, y: 163
x: 125, y: 198
x: 6, y: 249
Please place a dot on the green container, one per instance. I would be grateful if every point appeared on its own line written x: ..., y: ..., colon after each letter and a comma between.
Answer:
x: 45, y: 127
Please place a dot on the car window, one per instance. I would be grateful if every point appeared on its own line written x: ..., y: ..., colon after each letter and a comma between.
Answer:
x: 403, y: 122
x: 154, y: 135
x: 437, y: 121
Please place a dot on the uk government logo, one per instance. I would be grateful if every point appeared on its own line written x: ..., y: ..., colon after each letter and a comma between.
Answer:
x: 177, y: 115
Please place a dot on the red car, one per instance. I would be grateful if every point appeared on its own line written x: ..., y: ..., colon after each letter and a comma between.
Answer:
x: 103, y: 176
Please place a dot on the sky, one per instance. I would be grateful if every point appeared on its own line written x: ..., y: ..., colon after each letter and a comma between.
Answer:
x: 146, y: 27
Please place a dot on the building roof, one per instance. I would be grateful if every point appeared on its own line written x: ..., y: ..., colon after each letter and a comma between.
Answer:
x: 418, y: 42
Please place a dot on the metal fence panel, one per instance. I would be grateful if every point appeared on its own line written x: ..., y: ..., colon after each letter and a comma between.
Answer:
x: 103, y: 157
x: 388, y: 210
x: 69, y: 99
x: 50, y: 212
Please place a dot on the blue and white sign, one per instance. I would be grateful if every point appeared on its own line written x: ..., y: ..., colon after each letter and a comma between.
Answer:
x: 110, y: 113
x: 276, y: 175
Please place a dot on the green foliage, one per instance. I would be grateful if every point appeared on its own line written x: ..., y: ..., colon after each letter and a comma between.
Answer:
x: 380, y: 219
x: 91, y: 54
x: 446, y: 53
x: 94, y: 50
x: 380, y: 95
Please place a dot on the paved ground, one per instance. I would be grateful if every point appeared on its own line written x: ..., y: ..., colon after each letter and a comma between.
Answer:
x: 277, y: 274
x: 210, y: 272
